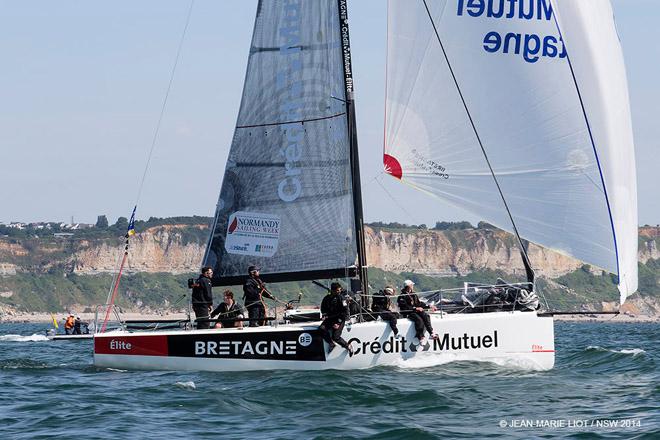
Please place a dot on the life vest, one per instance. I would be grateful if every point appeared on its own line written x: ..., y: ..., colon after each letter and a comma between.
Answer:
x: 69, y: 322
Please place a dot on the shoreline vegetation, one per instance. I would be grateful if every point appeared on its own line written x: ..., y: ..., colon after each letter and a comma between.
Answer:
x: 48, y: 266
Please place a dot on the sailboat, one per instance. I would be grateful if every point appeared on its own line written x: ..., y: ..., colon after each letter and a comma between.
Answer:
x: 517, y: 112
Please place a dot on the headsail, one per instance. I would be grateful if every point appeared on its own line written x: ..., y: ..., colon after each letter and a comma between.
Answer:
x: 286, y: 201
x: 530, y: 96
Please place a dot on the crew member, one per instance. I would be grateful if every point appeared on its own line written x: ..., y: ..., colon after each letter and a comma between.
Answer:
x: 334, y: 310
x: 69, y: 324
x: 254, y: 291
x: 382, y: 306
x: 412, y: 308
x: 202, y: 297
x: 228, y: 311
x: 77, y: 330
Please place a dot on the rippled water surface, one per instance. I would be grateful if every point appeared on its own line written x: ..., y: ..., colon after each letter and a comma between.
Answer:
x: 604, y: 385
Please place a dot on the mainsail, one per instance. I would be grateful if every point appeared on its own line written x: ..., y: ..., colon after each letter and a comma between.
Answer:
x: 519, y: 113
x: 286, y: 202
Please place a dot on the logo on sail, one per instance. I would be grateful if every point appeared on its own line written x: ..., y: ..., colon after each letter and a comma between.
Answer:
x: 392, y: 166
x: 534, y: 16
x: 232, y: 226
x: 428, y: 165
x: 289, y: 79
x: 251, y: 233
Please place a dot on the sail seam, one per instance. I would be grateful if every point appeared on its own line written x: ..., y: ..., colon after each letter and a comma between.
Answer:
x: 301, y: 121
x: 311, y: 163
x: 523, y: 251
x: 593, y: 145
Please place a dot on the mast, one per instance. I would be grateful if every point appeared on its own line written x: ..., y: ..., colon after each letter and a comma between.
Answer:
x: 353, y: 143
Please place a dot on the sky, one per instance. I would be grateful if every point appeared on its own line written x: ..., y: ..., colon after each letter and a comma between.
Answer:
x: 82, y: 85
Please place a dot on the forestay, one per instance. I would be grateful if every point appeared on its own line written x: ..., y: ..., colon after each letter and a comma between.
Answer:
x: 286, y: 199
x: 528, y: 95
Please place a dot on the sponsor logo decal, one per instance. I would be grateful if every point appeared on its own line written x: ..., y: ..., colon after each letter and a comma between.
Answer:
x: 289, y: 82
x: 251, y: 233
x: 119, y: 345
x: 154, y: 345
x: 305, y: 339
x: 539, y: 349
x: 428, y: 165
x: 287, y: 345
x: 445, y: 342
x: 241, y: 348
x: 529, y: 46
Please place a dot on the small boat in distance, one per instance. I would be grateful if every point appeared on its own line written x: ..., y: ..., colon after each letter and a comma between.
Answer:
x: 521, y: 119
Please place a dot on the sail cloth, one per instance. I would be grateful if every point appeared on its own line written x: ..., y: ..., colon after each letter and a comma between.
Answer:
x: 521, y: 109
x: 286, y: 200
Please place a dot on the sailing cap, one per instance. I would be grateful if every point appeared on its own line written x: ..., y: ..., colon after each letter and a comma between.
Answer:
x: 253, y: 269
x: 408, y: 283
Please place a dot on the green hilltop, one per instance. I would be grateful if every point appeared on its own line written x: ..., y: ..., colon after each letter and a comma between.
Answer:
x: 55, y: 287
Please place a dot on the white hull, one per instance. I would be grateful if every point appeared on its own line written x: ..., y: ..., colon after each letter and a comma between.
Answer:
x: 519, y: 339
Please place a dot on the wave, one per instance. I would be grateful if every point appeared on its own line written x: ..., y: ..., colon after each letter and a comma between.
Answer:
x: 633, y: 351
x: 437, y: 359
x: 22, y: 364
x: 190, y: 385
x: 21, y: 338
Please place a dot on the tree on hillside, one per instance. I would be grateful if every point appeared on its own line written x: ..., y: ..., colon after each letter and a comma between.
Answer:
x: 121, y: 225
x: 452, y: 226
x: 102, y: 222
x: 485, y: 225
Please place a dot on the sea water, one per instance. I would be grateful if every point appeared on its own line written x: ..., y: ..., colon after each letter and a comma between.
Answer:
x: 604, y: 385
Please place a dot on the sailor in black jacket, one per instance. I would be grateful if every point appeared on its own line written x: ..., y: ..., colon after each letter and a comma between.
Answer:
x: 254, y: 290
x: 382, y: 306
x: 229, y: 311
x: 334, y: 309
x: 412, y: 308
x: 202, y: 297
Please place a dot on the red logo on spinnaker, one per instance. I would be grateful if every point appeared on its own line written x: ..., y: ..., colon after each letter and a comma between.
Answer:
x: 392, y: 166
x: 233, y: 225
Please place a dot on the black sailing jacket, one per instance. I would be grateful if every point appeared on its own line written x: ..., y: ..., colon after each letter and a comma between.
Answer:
x: 202, y: 294
x: 228, y: 313
x: 253, y: 290
x: 381, y: 302
x: 334, y: 307
x: 408, y: 301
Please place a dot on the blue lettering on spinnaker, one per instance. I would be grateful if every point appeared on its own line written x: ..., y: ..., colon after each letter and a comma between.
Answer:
x: 531, y: 47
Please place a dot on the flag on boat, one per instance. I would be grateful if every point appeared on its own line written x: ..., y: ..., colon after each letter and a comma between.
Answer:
x: 54, y: 321
x: 131, y: 223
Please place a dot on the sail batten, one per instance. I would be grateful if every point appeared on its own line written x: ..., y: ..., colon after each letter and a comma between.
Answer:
x: 514, y: 108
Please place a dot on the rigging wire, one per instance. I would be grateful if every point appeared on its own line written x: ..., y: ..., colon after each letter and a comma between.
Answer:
x: 115, y: 283
x: 378, y: 181
x: 162, y: 109
x: 523, y: 250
